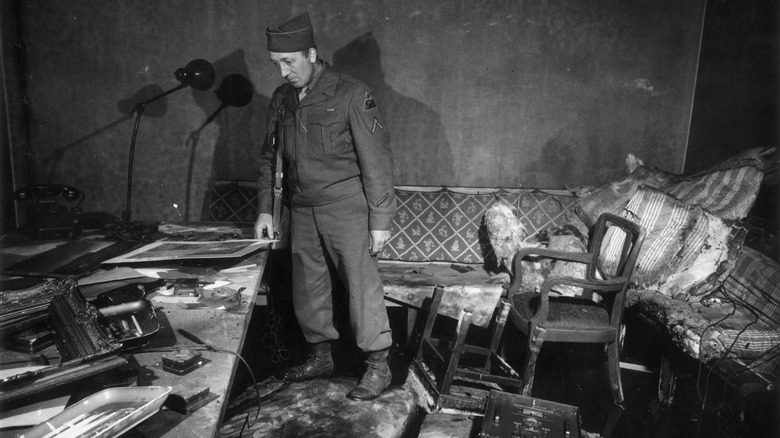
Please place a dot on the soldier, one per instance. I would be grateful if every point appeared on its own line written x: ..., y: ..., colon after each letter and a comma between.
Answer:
x: 340, y: 176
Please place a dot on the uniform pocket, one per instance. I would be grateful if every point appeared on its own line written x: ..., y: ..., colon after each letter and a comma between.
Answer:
x: 330, y: 137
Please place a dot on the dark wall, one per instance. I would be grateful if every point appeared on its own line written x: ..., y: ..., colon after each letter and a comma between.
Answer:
x: 490, y: 93
x: 736, y: 105
x: 736, y: 102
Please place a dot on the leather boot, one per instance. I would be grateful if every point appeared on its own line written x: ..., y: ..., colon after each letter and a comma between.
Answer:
x: 319, y: 363
x: 376, y: 378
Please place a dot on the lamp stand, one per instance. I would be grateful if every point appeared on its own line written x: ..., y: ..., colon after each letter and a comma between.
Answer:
x: 138, y: 110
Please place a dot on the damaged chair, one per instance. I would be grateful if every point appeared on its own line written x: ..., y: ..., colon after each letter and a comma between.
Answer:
x: 441, y: 353
x: 548, y: 317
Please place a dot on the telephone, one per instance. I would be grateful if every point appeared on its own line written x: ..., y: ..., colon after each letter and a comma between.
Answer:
x: 52, y: 212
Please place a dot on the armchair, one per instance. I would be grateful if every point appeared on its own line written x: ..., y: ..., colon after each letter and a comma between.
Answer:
x: 545, y: 317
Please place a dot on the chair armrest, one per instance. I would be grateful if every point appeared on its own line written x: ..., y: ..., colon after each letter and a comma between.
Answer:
x: 608, y: 285
x: 517, y: 271
x: 581, y: 257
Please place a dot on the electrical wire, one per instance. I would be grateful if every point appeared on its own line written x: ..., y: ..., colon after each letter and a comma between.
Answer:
x: 703, y: 398
x: 208, y: 347
x: 271, y: 338
x: 734, y: 301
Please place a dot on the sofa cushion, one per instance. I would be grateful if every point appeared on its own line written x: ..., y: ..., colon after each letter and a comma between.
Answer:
x: 727, y: 190
x: 613, y: 197
x: 439, y: 225
x: 431, y: 223
x: 755, y: 284
x: 446, y: 224
x: 684, y: 245
x: 708, y: 331
x: 412, y: 283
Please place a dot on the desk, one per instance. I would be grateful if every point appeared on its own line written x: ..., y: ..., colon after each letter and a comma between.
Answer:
x: 222, y: 329
x: 225, y: 330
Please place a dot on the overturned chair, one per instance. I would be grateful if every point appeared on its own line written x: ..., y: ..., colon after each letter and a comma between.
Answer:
x: 544, y: 317
x: 452, y: 352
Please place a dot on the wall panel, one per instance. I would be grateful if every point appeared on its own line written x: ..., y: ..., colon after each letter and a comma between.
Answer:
x: 476, y: 93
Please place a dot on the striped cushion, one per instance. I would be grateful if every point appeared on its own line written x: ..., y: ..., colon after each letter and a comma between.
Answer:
x: 674, y: 232
x: 747, y: 344
x: 755, y: 283
x: 713, y: 254
x: 683, y: 247
x: 613, y: 197
x: 728, y: 191
x: 708, y: 331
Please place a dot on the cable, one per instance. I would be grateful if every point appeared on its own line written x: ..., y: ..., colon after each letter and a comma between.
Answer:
x: 202, y: 346
x: 703, y: 398
x: 271, y: 338
x: 755, y: 363
x: 721, y: 406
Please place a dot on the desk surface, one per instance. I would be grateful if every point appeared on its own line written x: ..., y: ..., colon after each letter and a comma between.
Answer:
x: 223, y: 329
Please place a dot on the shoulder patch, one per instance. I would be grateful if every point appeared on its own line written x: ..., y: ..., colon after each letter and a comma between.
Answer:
x: 369, y: 103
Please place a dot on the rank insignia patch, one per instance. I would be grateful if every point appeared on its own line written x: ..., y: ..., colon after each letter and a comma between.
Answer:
x: 370, y: 103
x: 376, y: 125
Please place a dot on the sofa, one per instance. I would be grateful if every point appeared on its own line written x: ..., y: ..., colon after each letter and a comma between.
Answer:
x: 715, y: 299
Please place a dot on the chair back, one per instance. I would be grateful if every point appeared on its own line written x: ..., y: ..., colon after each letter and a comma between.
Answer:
x: 615, y: 246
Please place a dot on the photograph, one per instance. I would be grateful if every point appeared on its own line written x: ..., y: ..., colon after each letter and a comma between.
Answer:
x: 392, y: 218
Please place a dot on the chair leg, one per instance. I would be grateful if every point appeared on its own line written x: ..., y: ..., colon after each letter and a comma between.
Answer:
x: 497, y: 326
x: 535, y: 341
x: 667, y: 382
x: 425, y: 336
x: 613, y: 363
x: 455, y: 351
x: 612, y: 420
x: 411, y: 322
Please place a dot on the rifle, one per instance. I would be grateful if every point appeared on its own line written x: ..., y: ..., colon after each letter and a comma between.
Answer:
x: 281, y: 219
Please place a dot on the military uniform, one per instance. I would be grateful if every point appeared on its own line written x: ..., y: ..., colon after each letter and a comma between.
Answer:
x: 339, y: 174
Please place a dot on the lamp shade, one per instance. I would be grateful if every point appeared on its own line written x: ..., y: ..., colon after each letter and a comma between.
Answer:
x: 198, y: 74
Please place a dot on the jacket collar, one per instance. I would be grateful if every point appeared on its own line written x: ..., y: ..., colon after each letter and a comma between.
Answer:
x: 324, y: 88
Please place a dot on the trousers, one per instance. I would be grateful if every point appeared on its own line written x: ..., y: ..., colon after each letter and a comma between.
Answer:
x: 333, y: 239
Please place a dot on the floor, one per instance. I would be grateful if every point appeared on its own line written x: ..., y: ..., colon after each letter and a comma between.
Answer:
x: 701, y: 406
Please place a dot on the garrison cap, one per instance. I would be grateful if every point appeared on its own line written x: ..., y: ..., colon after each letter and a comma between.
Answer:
x: 292, y: 36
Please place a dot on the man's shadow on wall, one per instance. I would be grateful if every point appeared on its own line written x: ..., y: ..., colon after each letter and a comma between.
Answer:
x: 421, y: 152
x: 239, y: 113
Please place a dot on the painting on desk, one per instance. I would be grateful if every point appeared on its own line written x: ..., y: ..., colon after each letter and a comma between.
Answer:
x: 163, y: 250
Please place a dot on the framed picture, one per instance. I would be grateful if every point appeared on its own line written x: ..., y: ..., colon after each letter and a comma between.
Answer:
x: 163, y: 250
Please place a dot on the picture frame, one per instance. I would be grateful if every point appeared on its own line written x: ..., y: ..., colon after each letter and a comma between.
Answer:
x: 187, y: 250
